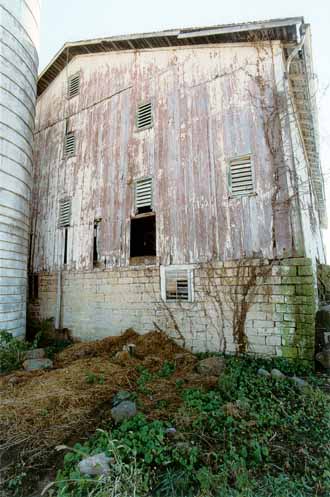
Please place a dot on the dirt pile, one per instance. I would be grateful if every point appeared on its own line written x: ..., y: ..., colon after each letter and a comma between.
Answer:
x: 42, y: 409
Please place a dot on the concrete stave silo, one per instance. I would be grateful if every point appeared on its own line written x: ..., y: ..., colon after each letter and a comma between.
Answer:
x: 19, y: 34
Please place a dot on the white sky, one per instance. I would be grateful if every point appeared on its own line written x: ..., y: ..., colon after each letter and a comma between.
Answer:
x: 71, y: 20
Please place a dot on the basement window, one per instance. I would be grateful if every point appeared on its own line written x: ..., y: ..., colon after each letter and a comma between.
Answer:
x: 177, y: 284
x: 74, y: 85
x: 143, y: 236
x: 144, y: 117
x: 143, y: 195
x: 70, y: 145
x: 241, y: 176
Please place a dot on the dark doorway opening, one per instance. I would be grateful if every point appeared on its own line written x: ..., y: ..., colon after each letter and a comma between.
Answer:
x: 143, y: 236
x: 95, y: 244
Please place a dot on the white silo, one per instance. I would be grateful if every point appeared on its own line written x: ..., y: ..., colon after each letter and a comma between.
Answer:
x: 19, y: 35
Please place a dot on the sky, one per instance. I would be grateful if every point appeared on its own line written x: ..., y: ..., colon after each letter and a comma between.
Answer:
x: 71, y: 20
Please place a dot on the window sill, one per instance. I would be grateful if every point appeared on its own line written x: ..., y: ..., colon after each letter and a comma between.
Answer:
x: 146, y: 260
x: 253, y: 194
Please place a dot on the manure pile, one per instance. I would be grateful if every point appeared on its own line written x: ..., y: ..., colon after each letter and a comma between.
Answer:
x: 42, y: 409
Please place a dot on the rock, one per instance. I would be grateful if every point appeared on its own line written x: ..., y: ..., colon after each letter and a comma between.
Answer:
x: 34, y: 364
x: 95, y: 465
x: 299, y: 382
x: 212, y: 366
x: 120, y: 397
x: 170, y: 432
x: 263, y: 372
x: 35, y: 354
x: 324, y: 358
x: 276, y: 373
x: 124, y: 410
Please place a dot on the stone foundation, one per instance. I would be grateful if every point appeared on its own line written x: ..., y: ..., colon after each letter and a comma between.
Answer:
x: 249, y: 306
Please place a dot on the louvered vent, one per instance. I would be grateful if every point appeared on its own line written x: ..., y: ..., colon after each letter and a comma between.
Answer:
x: 241, y: 176
x: 177, y: 285
x: 64, y: 218
x: 144, y: 116
x: 70, y: 145
x: 143, y: 195
x: 73, y: 86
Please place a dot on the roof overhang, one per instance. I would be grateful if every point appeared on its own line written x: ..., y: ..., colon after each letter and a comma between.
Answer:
x: 286, y: 30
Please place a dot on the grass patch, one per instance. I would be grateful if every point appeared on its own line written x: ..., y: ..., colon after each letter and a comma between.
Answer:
x: 249, y: 436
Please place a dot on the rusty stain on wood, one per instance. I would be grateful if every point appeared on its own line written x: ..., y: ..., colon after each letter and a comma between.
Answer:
x: 206, y: 104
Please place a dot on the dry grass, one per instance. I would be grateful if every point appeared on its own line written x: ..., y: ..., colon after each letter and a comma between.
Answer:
x: 40, y: 410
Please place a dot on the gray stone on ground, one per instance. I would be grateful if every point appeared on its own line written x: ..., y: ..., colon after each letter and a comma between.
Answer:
x: 263, y: 372
x: 34, y: 364
x: 299, y: 382
x: 35, y: 354
x: 212, y: 366
x: 120, y: 397
x: 97, y: 465
x: 124, y: 410
x: 324, y: 358
x: 276, y: 373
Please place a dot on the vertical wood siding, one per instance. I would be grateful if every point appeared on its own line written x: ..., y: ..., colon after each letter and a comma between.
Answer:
x: 208, y: 108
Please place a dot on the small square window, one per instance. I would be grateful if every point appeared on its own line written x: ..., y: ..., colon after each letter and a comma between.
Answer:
x: 241, y: 176
x: 177, y: 284
x: 144, y: 117
x: 74, y: 85
x: 70, y: 145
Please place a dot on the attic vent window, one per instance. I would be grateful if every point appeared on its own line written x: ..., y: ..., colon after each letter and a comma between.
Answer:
x: 64, y: 218
x: 73, y: 85
x: 144, y: 118
x: 177, y: 284
x: 241, y: 176
x: 70, y: 145
x: 143, y: 195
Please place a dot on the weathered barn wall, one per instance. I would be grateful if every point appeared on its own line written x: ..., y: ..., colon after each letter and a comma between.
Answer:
x: 210, y: 105
x: 19, y: 30
x: 255, y: 306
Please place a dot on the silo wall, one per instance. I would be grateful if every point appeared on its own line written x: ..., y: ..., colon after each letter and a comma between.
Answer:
x: 19, y: 35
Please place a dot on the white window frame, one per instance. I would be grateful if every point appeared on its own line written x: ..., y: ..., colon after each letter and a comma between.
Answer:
x: 249, y: 158
x: 74, y: 153
x: 190, y: 276
x: 152, y: 192
x: 71, y: 78
x: 147, y: 126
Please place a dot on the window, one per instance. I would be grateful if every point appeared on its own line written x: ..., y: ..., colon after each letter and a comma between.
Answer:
x: 65, y: 252
x: 143, y: 236
x: 143, y: 195
x: 73, y: 85
x: 177, y: 284
x: 241, y: 176
x: 65, y: 211
x: 144, y: 118
x: 96, y: 242
x: 70, y: 145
